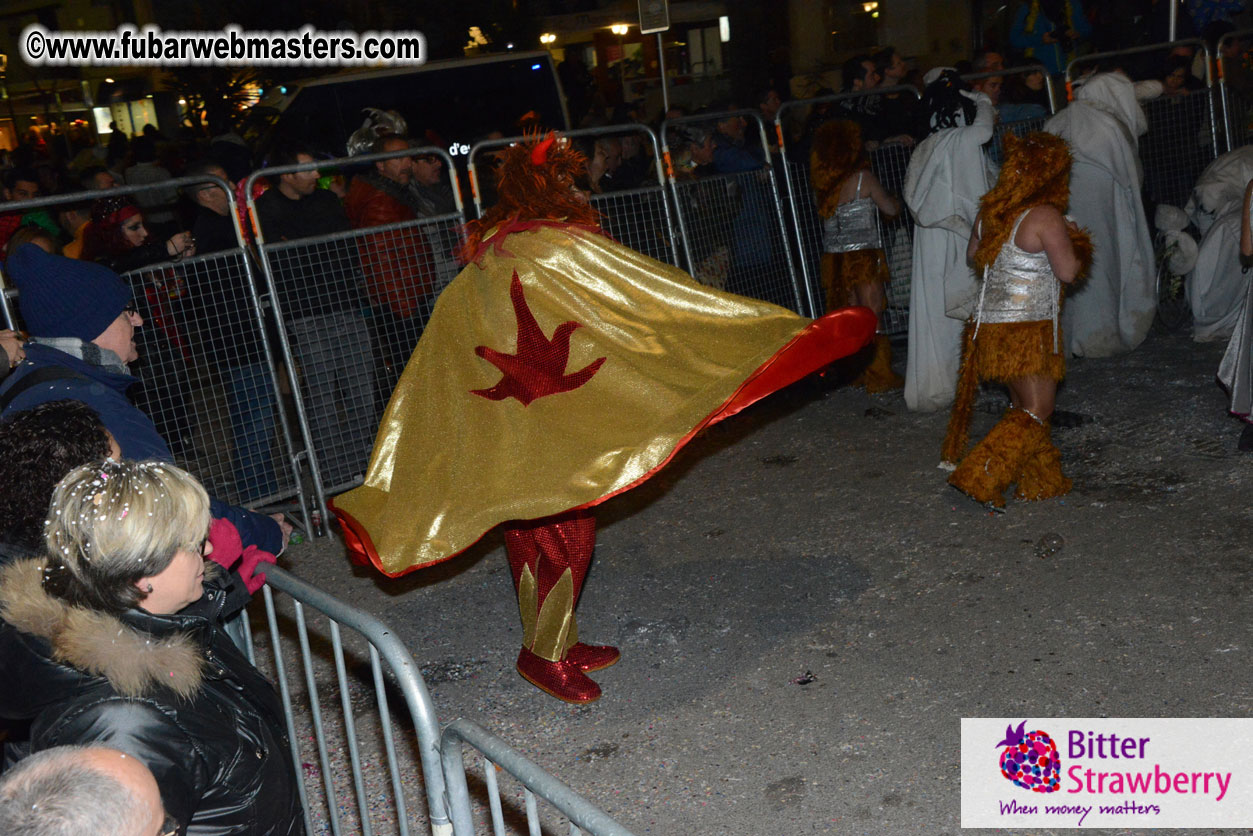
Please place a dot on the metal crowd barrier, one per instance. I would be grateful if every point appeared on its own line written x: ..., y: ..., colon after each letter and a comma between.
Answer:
x: 209, y: 380
x: 734, y: 217
x: 1235, y: 87
x: 1178, y: 146
x: 211, y: 369
x: 206, y: 368
x: 354, y: 761
x: 1183, y: 134
x: 637, y: 214
x: 496, y: 754
x: 350, y: 307
x: 889, y: 163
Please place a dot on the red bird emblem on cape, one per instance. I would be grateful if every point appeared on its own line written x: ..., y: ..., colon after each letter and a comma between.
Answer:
x: 538, y: 368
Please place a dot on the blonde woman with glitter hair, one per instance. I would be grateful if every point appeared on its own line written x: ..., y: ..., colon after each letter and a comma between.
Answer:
x: 129, y: 534
x: 114, y: 637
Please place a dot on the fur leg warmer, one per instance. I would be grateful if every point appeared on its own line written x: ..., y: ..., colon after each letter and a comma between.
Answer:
x: 1041, y: 476
x: 878, y: 376
x: 957, y: 439
x: 996, y: 462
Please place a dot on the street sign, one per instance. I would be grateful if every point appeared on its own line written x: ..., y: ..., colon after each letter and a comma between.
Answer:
x: 654, y: 16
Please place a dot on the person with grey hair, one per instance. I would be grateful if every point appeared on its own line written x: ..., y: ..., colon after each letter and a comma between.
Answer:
x: 708, y: 202
x: 693, y: 145
x: 212, y: 228
x: 82, y: 791
x: 113, y: 636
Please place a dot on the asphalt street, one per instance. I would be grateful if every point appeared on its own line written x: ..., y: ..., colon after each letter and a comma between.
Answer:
x: 806, y: 609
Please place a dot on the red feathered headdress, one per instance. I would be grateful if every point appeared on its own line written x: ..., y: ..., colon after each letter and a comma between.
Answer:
x: 535, y: 182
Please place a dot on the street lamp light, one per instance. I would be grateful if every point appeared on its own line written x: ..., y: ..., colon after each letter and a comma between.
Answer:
x: 547, y: 38
x: 620, y: 29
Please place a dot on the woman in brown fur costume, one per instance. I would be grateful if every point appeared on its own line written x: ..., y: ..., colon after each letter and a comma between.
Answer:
x: 854, y: 268
x: 1024, y: 248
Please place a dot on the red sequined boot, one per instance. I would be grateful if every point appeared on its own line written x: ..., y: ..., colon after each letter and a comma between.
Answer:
x: 548, y: 560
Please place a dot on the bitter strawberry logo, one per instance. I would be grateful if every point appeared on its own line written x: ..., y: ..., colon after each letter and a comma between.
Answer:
x: 1030, y: 759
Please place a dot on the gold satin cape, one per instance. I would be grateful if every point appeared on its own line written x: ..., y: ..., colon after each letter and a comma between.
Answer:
x: 450, y: 464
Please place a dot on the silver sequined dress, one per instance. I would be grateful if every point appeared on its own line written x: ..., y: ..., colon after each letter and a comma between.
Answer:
x: 1019, y: 287
x: 853, y: 226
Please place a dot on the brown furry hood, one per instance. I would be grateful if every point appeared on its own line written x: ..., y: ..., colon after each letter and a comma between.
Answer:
x: 134, y: 662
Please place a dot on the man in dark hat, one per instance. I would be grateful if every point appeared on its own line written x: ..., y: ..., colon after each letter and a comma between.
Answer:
x: 82, y: 321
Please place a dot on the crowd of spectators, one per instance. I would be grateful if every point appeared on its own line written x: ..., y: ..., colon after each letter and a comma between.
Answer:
x: 385, y: 282
x: 354, y: 307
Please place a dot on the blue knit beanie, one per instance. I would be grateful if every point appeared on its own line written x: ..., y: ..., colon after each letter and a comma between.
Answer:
x: 65, y: 297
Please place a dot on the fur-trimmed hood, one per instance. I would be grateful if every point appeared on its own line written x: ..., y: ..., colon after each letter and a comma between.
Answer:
x: 136, y: 663
x: 170, y: 689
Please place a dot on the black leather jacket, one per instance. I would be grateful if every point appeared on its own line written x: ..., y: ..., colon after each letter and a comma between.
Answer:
x: 170, y: 689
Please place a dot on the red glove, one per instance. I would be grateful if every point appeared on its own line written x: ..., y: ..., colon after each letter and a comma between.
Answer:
x: 253, y: 557
x: 229, y: 549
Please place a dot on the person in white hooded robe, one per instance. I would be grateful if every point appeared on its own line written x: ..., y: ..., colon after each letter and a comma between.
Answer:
x: 947, y: 175
x: 1235, y: 372
x: 1217, y: 286
x: 1112, y: 311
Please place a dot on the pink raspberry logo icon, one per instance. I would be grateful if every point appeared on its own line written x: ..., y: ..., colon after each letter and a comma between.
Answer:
x: 1030, y: 759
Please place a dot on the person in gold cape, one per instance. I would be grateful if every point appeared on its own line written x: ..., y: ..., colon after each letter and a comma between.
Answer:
x: 1024, y: 248
x: 558, y: 369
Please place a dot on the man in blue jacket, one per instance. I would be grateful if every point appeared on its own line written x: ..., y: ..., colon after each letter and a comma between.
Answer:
x: 82, y: 321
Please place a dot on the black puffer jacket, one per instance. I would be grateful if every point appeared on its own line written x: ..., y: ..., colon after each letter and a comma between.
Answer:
x: 171, y: 690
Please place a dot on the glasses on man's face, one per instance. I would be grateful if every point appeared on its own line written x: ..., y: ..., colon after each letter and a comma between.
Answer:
x: 169, y: 827
x: 130, y: 309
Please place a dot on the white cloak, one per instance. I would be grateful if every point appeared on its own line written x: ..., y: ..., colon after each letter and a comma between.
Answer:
x: 1217, y: 287
x: 1235, y: 372
x: 1216, y: 290
x: 948, y: 174
x: 1112, y: 311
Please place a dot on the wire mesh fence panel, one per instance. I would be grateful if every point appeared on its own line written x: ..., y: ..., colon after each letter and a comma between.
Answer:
x: 733, y: 233
x: 363, y: 730
x: 889, y: 163
x: 628, y: 190
x: 1234, y: 61
x: 707, y: 211
x: 808, y: 225
x: 1019, y: 128
x: 1183, y: 125
x: 352, y: 304
x: 1178, y: 145
x: 1239, y: 115
x: 729, y: 210
x: 320, y: 287
x: 640, y: 219
x: 404, y: 267
x: 207, y: 377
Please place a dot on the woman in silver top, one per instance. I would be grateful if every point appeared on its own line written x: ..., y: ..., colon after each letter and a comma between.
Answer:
x: 1024, y: 248
x: 854, y: 267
